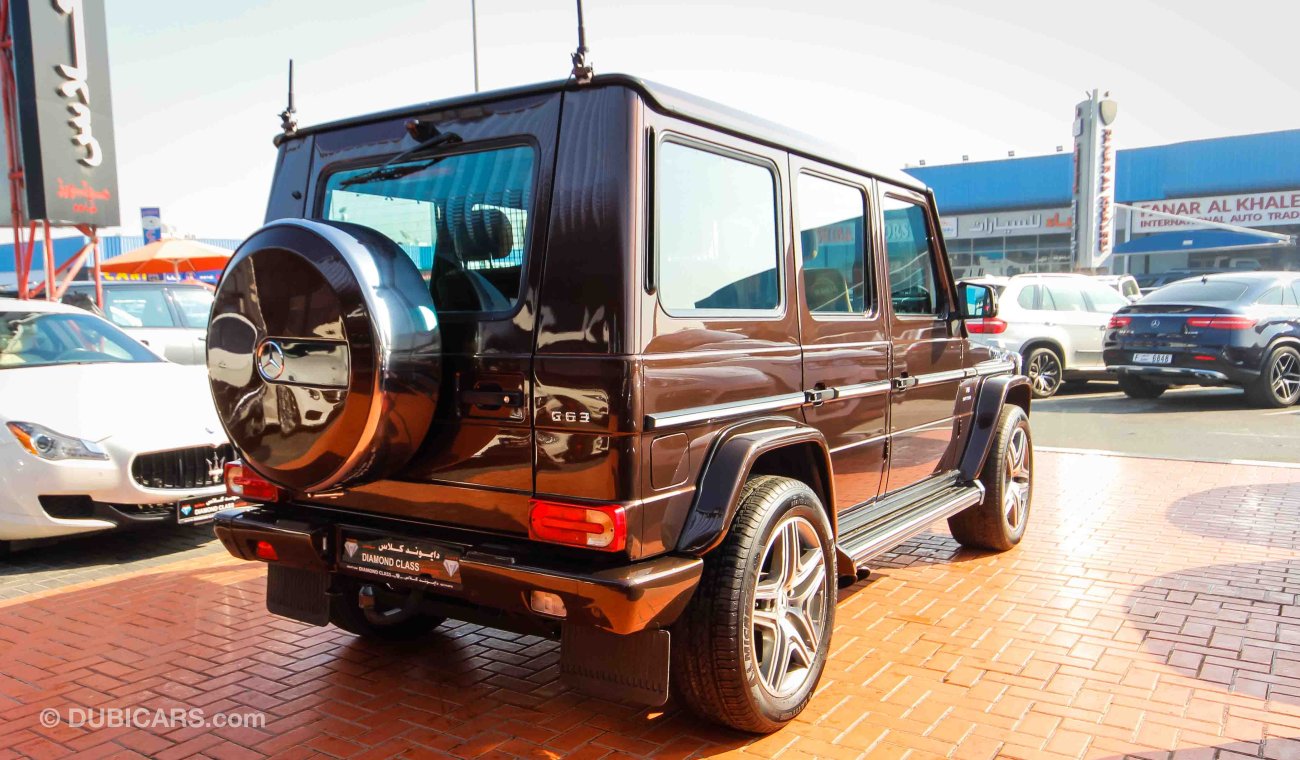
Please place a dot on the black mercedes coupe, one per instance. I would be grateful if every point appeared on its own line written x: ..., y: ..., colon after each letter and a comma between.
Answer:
x: 1234, y: 329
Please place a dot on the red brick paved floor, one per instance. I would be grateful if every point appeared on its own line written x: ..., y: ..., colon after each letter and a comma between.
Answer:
x: 1151, y: 609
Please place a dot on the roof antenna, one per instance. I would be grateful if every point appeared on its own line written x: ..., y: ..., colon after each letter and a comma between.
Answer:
x: 581, y: 69
x: 289, y: 116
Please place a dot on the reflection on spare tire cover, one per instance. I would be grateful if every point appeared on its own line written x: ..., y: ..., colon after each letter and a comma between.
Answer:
x: 323, y: 354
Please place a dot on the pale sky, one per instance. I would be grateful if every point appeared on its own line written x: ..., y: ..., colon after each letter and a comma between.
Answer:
x: 197, y: 85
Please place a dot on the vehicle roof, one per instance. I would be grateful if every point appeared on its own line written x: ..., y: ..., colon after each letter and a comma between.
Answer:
x: 667, y: 100
x: 1248, y: 276
x: 137, y: 284
x: 32, y: 304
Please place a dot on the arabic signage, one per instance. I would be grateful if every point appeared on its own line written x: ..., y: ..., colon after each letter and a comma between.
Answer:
x: 1092, y: 233
x: 1051, y: 221
x: 65, y: 116
x: 1245, y: 210
x: 402, y: 559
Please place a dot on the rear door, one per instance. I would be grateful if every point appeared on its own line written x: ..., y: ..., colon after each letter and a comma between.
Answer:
x: 470, y: 214
x: 845, y: 340
x: 925, y: 332
x: 1072, y: 313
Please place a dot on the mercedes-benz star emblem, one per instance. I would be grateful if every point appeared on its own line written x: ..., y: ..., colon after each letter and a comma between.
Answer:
x: 270, y: 360
x: 1155, y: 323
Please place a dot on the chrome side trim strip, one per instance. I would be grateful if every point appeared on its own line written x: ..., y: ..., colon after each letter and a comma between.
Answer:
x: 692, y: 415
x: 862, y: 389
x: 863, y: 442
x: 994, y: 367
x: 933, y: 378
x: 945, y: 422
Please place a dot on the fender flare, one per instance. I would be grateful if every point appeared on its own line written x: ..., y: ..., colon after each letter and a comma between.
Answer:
x: 727, y: 468
x: 992, y: 395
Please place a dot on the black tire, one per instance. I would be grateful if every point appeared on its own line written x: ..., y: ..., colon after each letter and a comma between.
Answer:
x: 1135, y: 387
x: 380, y: 624
x: 998, y: 523
x: 1045, y: 370
x: 1278, y: 385
x: 719, y: 670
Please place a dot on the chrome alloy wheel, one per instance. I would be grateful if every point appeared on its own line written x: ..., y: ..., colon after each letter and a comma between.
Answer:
x: 790, y: 603
x: 1284, y: 379
x: 1015, y: 499
x: 1044, y: 372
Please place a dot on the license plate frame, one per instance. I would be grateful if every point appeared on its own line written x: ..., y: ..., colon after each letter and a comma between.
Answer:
x: 1153, y: 359
x: 198, y: 511
x: 408, y: 560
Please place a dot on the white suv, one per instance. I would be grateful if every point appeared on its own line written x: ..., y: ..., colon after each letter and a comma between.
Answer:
x: 1054, y: 321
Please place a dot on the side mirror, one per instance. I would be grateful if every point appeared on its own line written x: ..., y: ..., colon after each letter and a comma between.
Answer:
x: 977, y: 301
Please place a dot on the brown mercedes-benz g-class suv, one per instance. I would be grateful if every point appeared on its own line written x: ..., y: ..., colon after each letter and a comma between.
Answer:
x: 610, y: 363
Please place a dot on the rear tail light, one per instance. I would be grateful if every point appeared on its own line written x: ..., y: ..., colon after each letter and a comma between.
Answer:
x: 1204, y: 358
x: 1118, y: 322
x: 1221, y: 323
x: 601, y: 527
x: 986, y: 326
x: 246, y: 484
x: 263, y: 550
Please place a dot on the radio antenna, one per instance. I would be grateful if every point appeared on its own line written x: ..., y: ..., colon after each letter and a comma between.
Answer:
x: 289, y: 116
x: 581, y: 69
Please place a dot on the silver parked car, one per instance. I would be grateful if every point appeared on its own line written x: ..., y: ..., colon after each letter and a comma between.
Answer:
x: 171, y: 318
x: 1056, y: 322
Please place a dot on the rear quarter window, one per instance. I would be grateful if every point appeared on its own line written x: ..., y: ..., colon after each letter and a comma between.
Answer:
x: 716, y: 235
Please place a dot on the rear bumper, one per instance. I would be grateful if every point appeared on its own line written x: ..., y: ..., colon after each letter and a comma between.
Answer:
x: 1173, y: 374
x: 650, y: 594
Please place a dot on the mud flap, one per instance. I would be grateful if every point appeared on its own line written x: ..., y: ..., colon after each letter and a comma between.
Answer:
x: 298, y: 594
x: 632, y: 668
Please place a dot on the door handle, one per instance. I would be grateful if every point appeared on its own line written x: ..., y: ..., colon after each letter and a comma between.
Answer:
x: 819, y: 396
x: 492, y: 398
x: 903, y: 382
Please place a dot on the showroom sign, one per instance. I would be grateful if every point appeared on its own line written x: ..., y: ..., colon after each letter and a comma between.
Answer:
x: 1245, y: 210
x: 65, y: 115
x: 1050, y: 221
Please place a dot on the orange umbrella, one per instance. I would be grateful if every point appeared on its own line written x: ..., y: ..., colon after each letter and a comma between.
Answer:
x: 169, y: 256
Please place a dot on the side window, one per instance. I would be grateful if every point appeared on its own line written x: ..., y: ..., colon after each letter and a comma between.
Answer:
x: 1066, y: 297
x: 715, y: 232
x: 1295, y: 292
x: 832, y: 223
x: 1131, y: 288
x: 1028, y: 295
x: 1103, y: 299
x: 1271, y: 297
x: 137, y: 307
x: 911, y: 258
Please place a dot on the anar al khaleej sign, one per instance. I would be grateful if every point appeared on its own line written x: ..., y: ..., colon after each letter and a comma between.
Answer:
x: 1280, y: 207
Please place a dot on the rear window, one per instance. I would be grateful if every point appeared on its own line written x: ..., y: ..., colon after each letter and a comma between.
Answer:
x: 1198, y: 292
x: 463, y: 219
x: 137, y: 307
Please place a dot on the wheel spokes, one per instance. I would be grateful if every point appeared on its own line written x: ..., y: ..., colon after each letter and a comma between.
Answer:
x: 789, y: 609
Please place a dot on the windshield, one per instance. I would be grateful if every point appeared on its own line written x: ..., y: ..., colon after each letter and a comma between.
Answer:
x: 1198, y: 292
x: 194, y: 304
x: 463, y: 219
x: 36, y: 338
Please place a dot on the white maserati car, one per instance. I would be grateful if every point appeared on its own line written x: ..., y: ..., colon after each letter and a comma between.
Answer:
x: 96, y: 431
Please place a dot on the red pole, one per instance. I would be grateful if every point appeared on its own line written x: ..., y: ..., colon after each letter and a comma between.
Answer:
x: 9, y: 96
x: 94, y: 268
x: 49, y: 265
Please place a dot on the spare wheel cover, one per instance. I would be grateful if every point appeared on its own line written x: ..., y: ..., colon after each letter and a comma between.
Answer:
x: 323, y: 354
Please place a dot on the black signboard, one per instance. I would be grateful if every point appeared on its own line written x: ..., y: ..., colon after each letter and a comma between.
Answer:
x: 65, y: 115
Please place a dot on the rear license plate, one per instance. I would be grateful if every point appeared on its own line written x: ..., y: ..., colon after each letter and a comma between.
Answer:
x: 402, y: 559
x: 202, y: 510
x: 1153, y: 358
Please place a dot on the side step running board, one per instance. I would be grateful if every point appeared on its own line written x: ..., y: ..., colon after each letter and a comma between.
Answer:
x: 868, y: 538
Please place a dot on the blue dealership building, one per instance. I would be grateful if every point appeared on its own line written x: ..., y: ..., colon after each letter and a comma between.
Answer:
x: 1013, y: 216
